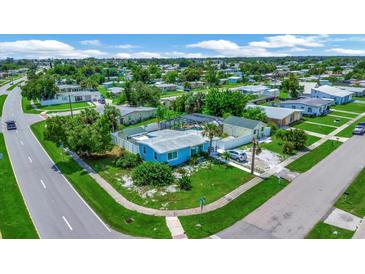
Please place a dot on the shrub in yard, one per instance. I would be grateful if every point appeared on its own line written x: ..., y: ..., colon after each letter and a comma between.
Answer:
x: 155, y: 174
x: 297, y: 137
x: 185, y: 183
x: 288, y: 148
x: 128, y: 160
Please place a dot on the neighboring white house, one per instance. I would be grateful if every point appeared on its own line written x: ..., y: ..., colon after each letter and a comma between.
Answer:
x: 241, y: 131
x: 68, y: 88
x: 115, y: 90
x: 282, y: 117
x: 166, y: 87
x: 308, y: 87
x: 73, y: 96
x: 259, y: 90
x: 132, y: 115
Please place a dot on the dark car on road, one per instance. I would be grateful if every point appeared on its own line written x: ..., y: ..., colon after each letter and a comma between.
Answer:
x: 10, y: 125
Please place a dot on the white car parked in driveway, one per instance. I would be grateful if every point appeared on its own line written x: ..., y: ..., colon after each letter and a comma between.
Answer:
x: 238, y: 155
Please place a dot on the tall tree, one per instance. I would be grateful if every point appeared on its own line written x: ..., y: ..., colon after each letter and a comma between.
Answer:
x: 291, y: 86
x: 112, y: 114
x: 212, y: 130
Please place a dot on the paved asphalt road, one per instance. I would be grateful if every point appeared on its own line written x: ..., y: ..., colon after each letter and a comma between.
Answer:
x: 296, y: 209
x: 56, y: 209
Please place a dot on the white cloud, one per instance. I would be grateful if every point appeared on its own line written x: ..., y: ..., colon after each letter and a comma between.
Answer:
x: 347, y: 51
x: 217, y: 45
x: 126, y: 46
x: 289, y: 41
x: 232, y: 49
x: 146, y: 54
x: 90, y: 42
x: 45, y: 49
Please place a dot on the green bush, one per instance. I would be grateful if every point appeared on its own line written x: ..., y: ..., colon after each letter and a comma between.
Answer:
x: 288, y: 148
x: 194, y: 160
x: 185, y: 183
x: 155, y: 174
x: 128, y: 160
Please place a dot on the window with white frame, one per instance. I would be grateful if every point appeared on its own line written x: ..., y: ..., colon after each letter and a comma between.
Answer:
x: 172, y: 155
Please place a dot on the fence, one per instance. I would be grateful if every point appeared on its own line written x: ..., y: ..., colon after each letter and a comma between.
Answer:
x: 133, y: 148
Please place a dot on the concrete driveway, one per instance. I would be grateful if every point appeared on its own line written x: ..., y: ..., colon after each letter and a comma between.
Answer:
x: 296, y: 209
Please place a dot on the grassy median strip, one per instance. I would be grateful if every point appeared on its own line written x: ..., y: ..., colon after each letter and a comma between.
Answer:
x: 2, y: 101
x: 13, y: 86
x: 325, y: 231
x: 118, y: 217
x: 313, y: 157
x: 206, y: 224
x: 353, y: 200
x: 15, y: 222
x: 27, y: 107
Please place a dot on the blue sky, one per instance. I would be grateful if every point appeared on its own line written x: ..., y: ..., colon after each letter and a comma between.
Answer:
x: 172, y: 46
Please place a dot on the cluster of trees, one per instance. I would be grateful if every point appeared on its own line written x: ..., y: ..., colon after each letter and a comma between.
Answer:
x: 140, y: 94
x: 85, y: 134
x: 293, y: 139
x: 291, y: 86
x: 222, y: 103
x: 192, y: 102
x: 40, y: 86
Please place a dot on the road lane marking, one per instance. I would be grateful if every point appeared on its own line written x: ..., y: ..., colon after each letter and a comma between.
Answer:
x: 43, y: 184
x: 67, y: 223
x: 69, y: 184
x: 21, y: 142
x: 30, y: 159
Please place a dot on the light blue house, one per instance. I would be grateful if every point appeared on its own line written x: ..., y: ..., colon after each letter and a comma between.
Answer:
x: 309, y: 106
x: 173, y: 147
x: 234, y: 79
x: 339, y: 96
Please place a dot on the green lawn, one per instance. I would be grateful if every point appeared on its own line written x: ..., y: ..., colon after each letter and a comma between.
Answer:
x: 328, y: 120
x: 64, y: 107
x: 212, y: 182
x: 352, y: 107
x: 277, y: 145
x: 325, y: 231
x: 27, y: 107
x: 347, y: 132
x: 343, y: 114
x: 313, y: 157
x: 358, y: 98
x: 15, y: 222
x: 283, y: 95
x: 104, y: 205
x: 206, y: 224
x: 353, y: 200
x: 314, y: 128
x: 2, y: 101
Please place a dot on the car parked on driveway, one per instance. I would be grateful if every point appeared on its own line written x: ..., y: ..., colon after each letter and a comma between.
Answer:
x: 10, y: 125
x: 238, y: 155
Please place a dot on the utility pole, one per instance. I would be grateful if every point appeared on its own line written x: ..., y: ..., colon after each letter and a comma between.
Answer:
x: 253, y: 155
x: 69, y: 100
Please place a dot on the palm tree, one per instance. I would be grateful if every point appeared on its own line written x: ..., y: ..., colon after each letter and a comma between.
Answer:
x: 212, y: 130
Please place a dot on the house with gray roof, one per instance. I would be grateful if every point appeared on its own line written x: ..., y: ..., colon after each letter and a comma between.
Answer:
x: 239, y: 126
x: 281, y: 116
x: 133, y: 115
x: 339, y: 96
x: 357, y: 91
x: 310, y: 106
